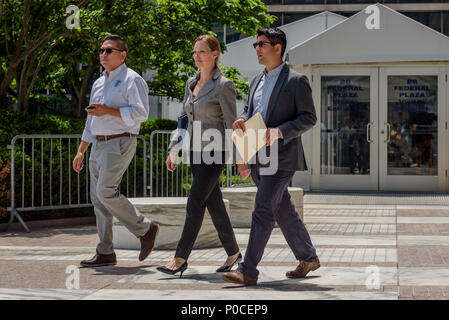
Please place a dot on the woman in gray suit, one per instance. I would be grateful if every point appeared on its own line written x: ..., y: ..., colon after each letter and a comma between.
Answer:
x: 210, y: 100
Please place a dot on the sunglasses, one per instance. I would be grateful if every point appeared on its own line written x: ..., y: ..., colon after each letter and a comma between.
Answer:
x: 261, y: 43
x: 108, y: 50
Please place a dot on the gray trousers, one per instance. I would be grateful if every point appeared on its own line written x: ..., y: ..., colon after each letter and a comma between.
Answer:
x: 108, y: 162
x: 273, y: 204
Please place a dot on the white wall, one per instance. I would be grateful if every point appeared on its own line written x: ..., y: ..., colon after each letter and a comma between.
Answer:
x: 302, y: 179
x: 241, y: 54
x: 399, y: 38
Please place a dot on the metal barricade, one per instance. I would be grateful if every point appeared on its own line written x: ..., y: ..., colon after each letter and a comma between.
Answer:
x: 164, y: 183
x: 50, y: 194
x: 54, y: 188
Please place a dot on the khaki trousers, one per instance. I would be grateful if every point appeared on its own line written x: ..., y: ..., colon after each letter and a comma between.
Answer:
x: 108, y: 162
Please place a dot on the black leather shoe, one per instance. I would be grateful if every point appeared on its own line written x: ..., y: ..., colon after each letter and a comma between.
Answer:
x: 181, y: 269
x: 100, y: 260
x: 229, y: 268
x: 148, y: 240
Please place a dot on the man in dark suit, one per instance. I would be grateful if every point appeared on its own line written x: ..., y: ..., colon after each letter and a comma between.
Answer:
x: 284, y: 99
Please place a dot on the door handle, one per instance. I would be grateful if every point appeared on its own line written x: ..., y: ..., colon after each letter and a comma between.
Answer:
x: 388, y: 132
x: 368, y: 132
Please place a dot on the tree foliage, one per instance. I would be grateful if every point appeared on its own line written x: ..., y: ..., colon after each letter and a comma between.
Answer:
x: 39, y: 54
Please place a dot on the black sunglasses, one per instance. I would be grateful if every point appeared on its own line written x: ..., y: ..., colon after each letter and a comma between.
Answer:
x: 108, y: 50
x: 261, y: 43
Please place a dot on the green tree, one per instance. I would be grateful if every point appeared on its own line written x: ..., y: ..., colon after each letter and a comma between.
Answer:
x: 180, y: 22
x: 159, y: 34
x: 29, y: 31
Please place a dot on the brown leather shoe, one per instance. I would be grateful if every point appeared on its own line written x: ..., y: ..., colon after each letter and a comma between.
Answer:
x: 100, y: 260
x: 239, y: 278
x: 148, y: 240
x: 303, y: 269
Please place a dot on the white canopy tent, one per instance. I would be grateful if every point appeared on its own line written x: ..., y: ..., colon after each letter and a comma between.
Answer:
x: 399, y: 38
x: 401, y: 50
x: 241, y: 54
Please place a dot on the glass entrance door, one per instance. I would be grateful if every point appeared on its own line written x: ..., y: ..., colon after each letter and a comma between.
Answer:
x: 348, y: 116
x: 380, y: 129
x: 411, y: 115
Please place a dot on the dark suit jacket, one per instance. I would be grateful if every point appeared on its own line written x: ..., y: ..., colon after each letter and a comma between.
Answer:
x: 292, y: 111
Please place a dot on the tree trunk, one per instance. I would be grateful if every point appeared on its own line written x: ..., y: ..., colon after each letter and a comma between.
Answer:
x: 1, y: 10
x: 74, y: 102
x: 85, y: 83
x: 20, y: 84
x: 9, y: 75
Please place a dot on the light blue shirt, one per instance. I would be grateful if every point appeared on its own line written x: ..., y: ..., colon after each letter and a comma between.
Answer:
x: 123, y: 89
x: 264, y: 90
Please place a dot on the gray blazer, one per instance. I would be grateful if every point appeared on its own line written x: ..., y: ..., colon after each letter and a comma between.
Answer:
x: 214, y: 106
x: 292, y: 111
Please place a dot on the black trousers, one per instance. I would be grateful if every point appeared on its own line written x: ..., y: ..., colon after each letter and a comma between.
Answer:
x: 205, y: 192
x: 273, y: 204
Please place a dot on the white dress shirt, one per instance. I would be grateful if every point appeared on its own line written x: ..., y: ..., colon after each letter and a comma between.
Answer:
x: 123, y: 89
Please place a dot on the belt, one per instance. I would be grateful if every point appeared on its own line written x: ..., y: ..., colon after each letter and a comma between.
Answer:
x: 126, y: 134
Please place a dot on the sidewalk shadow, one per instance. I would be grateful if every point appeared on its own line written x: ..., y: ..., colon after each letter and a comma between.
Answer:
x: 284, y: 285
x: 205, y: 277
x: 279, y: 285
x: 117, y: 270
x: 49, y: 232
x: 213, y: 278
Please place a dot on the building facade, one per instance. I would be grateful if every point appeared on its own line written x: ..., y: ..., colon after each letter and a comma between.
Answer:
x: 380, y: 95
x: 382, y: 106
x: 432, y: 13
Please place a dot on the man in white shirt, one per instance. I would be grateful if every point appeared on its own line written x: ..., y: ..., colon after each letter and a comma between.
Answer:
x: 118, y: 104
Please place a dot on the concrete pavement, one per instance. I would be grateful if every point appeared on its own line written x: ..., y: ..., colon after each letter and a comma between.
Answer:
x: 367, y: 251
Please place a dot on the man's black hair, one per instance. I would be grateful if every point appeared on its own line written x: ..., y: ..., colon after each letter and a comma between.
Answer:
x: 275, y: 36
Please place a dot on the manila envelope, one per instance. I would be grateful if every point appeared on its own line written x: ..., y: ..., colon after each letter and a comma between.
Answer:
x: 253, y: 138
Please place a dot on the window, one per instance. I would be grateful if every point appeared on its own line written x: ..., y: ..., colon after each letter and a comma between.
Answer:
x: 430, y: 19
x: 358, y: 1
x: 278, y: 21
x: 305, y: 1
x: 446, y: 23
x: 291, y: 17
x: 268, y: 2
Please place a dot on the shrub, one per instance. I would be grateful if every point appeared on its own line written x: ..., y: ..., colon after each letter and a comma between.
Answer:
x: 51, y: 159
x: 14, y: 123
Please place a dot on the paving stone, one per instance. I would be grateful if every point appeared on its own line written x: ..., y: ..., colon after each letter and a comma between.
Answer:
x: 423, y: 256
x: 423, y: 229
x: 406, y: 244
